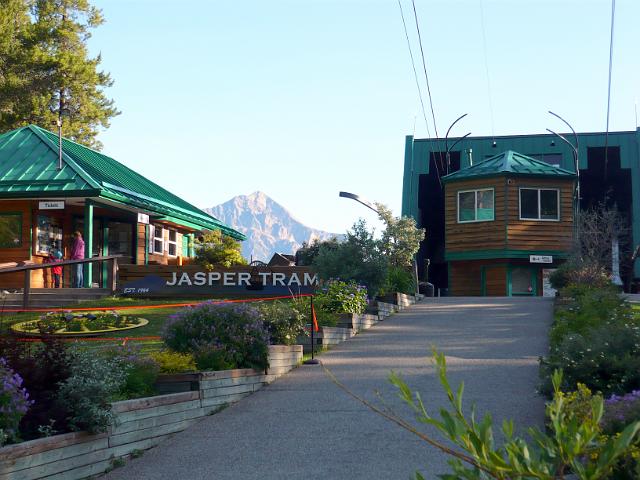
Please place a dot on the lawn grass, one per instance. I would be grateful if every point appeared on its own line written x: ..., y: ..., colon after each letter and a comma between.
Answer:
x: 141, y: 308
x: 144, y: 308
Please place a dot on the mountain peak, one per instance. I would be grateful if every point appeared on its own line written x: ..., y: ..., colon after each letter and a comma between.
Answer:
x: 269, y: 227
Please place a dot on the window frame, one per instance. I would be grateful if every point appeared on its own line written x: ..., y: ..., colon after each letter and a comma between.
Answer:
x: 475, y: 205
x: 170, y: 242
x: 21, y: 219
x: 153, y: 238
x: 539, y: 189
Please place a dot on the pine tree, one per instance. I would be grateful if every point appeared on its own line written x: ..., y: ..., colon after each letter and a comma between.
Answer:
x: 18, y: 77
x: 58, y: 76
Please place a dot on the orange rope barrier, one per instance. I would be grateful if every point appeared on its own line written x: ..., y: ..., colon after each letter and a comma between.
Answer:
x: 94, y: 339
x: 140, y: 307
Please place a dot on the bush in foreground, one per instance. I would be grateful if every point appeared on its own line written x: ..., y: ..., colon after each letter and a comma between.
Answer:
x: 220, y: 336
x: 605, y: 359
x: 87, y: 394
x: 572, y: 444
x: 14, y: 403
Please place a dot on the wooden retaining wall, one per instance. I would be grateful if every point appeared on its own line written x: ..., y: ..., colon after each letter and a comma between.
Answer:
x: 357, y: 321
x: 140, y: 423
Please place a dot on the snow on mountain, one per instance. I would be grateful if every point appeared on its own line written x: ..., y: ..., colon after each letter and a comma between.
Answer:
x: 269, y: 227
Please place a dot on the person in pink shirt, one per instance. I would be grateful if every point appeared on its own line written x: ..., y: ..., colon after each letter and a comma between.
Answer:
x: 77, y: 253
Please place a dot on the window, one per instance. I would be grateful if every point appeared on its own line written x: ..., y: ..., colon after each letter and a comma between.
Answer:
x: 475, y: 205
x: 173, y: 243
x: 156, y: 239
x: 539, y: 204
x: 49, y: 235
x: 10, y: 230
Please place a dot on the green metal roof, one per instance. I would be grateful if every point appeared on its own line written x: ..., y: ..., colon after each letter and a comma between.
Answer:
x: 508, y: 162
x: 29, y: 168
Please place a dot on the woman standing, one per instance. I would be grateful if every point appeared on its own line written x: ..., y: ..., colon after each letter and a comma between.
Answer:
x: 77, y: 253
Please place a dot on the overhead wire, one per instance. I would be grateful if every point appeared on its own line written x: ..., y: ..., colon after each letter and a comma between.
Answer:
x: 606, y: 135
x: 426, y: 76
x: 415, y: 75
x: 413, y: 65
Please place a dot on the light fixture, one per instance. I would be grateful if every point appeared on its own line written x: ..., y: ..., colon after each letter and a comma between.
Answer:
x: 494, y: 144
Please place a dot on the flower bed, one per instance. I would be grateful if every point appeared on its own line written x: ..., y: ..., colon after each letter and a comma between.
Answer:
x: 69, y: 324
x: 141, y: 423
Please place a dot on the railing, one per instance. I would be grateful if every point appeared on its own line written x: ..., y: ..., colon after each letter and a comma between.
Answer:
x: 27, y: 267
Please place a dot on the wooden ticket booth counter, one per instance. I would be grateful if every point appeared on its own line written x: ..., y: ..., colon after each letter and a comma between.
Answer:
x: 508, y: 220
x: 44, y: 200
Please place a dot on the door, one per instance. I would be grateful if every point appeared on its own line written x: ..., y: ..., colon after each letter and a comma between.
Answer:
x: 522, y: 281
x: 494, y: 279
x: 120, y: 241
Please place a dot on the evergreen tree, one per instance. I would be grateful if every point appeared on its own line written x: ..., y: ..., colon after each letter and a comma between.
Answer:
x: 56, y: 73
x: 18, y: 77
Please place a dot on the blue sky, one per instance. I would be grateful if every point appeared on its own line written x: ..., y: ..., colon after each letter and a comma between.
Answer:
x: 304, y: 98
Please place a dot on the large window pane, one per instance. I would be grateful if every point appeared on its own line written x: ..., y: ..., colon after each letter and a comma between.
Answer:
x: 485, y: 205
x: 529, y: 203
x: 466, y: 206
x: 10, y: 230
x: 549, y: 204
x: 49, y: 234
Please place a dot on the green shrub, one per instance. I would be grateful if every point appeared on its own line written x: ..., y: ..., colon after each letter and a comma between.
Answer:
x: 94, y: 382
x: 174, y: 362
x: 285, y: 320
x: 399, y: 280
x: 220, y: 336
x: 619, y: 411
x: 587, y: 309
x: 208, y: 358
x: 142, y: 373
x: 342, y: 297
x: 572, y: 444
x: 605, y: 359
x: 359, y: 259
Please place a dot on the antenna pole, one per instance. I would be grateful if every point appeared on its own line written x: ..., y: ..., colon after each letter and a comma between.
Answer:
x: 59, y: 141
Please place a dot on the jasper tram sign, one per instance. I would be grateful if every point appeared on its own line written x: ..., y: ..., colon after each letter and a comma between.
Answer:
x: 195, y: 280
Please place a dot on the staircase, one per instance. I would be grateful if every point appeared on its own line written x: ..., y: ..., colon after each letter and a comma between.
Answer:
x: 53, y: 297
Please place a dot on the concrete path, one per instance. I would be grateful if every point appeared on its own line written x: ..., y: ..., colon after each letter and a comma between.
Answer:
x: 304, y: 427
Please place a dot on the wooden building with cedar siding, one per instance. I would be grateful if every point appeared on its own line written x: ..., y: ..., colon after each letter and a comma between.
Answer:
x: 44, y: 200
x: 507, y: 219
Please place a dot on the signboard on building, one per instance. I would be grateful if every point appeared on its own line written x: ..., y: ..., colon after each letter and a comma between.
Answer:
x: 51, y: 205
x: 195, y: 280
x: 540, y: 259
x: 143, y: 218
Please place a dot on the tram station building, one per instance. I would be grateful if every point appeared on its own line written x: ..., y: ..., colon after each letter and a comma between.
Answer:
x: 44, y: 201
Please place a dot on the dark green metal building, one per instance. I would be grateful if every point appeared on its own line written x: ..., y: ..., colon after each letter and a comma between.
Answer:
x: 612, y: 178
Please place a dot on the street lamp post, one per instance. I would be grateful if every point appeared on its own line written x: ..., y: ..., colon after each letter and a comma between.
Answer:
x: 446, y: 140
x: 574, y: 150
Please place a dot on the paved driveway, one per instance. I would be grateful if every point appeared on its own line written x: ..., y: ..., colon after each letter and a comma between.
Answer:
x: 303, y: 426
